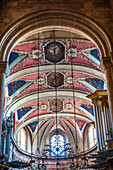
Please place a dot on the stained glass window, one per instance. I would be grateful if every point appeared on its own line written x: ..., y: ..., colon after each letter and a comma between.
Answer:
x: 57, y: 144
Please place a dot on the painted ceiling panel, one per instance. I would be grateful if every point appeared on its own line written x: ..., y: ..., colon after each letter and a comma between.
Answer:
x: 97, y: 83
x: 13, y: 57
x: 89, y: 108
x: 26, y: 47
x: 21, y: 112
x: 63, y: 80
x: 81, y: 44
x: 80, y: 124
x: 79, y: 59
x: 33, y: 126
x: 95, y: 53
x: 14, y: 86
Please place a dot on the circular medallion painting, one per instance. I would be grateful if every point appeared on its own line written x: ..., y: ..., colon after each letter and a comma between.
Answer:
x: 55, y: 81
x: 56, y: 105
x: 54, y: 52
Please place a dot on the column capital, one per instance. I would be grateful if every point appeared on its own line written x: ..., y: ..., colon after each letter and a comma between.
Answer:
x: 3, y: 66
x: 105, y: 63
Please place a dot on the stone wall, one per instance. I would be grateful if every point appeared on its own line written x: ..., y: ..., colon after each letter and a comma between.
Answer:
x: 99, y: 10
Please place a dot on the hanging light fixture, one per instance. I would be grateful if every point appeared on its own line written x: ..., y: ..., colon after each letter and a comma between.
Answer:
x: 38, y: 144
x: 74, y: 104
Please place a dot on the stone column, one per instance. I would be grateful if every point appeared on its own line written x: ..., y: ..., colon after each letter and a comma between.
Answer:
x: 98, y: 99
x: 97, y: 127
x: 105, y: 121
x: 106, y: 63
x: 2, y: 88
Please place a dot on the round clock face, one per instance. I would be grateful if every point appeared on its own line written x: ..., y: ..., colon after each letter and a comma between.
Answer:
x: 54, y: 52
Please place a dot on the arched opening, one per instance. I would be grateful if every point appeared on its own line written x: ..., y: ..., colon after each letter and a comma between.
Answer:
x: 92, y: 136
x: 22, y: 139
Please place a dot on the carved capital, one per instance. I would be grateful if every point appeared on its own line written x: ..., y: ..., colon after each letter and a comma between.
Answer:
x: 3, y: 66
x: 105, y: 63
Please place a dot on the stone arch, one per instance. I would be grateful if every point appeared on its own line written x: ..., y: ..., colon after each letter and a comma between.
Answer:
x: 54, y: 19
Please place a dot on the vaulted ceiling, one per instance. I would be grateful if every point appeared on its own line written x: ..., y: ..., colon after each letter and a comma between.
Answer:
x: 33, y: 64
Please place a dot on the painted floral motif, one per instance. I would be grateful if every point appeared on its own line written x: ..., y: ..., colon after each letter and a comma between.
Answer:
x: 72, y: 52
x: 40, y: 81
x: 36, y: 54
x: 43, y: 107
x: 70, y: 80
x: 68, y: 106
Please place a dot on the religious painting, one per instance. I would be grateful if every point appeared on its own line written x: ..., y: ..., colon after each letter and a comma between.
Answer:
x: 89, y: 108
x: 80, y: 123
x: 54, y: 52
x: 21, y: 112
x: 56, y: 105
x: 55, y: 79
x: 13, y: 57
x: 95, y: 53
x: 97, y: 83
x: 14, y: 86
x: 33, y: 126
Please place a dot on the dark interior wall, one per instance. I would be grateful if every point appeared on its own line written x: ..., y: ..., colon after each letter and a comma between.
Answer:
x: 100, y: 11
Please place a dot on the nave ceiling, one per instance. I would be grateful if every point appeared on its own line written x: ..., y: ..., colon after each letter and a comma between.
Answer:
x: 33, y: 65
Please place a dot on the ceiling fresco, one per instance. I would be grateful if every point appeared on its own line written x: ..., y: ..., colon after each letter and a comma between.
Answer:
x: 55, y: 79
x: 33, y: 126
x: 21, y: 112
x: 55, y: 63
x: 56, y: 105
x: 78, y: 52
x: 54, y: 52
